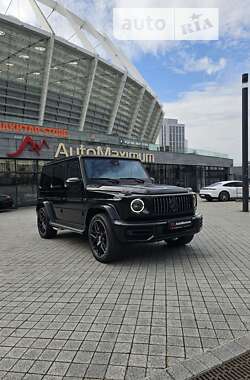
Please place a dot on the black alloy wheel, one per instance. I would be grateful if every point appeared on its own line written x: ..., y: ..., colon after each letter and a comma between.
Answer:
x: 103, y: 242
x: 99, y: 238
x: 44, y: 228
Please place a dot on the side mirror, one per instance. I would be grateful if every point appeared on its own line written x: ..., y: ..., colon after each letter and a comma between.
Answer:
x: 71, y: 181
x: 152, y: 179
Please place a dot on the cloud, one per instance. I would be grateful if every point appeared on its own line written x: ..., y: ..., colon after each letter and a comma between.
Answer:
x: 205, y: 64
x: 187, y: 63
x: 234, y: 20
x: 212, y: 116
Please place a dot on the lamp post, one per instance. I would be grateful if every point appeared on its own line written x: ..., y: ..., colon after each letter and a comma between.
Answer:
x: 245, y: 142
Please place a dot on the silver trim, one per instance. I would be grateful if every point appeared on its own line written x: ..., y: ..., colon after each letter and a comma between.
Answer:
x: 62, y: 226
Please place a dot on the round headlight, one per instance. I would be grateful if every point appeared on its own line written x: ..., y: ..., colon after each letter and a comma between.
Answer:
x: 195, y: 200
x: 137, y: 206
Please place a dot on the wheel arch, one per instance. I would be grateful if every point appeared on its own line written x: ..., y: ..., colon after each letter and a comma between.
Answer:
x: 108, y: 210
x: 48, y: 208
x: 224, y: 191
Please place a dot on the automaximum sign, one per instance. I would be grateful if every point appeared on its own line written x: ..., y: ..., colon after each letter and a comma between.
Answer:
x: 67, y: 151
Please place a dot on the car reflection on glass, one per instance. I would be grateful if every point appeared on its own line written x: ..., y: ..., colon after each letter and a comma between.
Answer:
x: 6, y: 202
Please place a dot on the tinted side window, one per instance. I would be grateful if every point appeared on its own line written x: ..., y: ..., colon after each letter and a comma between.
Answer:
x: 58, y: 175
x: 46, y: 178
x: 73, y: 169
x: 232, y: 184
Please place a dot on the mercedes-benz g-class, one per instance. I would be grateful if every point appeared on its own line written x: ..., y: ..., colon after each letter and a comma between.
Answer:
x: 114, y: 202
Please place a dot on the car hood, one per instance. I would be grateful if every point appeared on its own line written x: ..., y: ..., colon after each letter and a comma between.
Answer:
x: 142, y: 189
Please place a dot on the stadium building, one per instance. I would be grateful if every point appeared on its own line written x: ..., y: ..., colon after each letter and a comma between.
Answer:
x: 79, y: 95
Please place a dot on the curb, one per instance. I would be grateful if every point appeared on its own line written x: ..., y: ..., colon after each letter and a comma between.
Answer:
x: 190, y: 368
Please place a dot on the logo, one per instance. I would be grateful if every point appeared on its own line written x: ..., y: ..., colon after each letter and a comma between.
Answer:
x: 157, y: 24
x: 67, y: 151
x: 197, y: 24
x: 33, y: 146
x: 9, y: 127
x: 173, y: 204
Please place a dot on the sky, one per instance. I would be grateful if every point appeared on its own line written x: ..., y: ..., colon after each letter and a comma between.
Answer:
x: 198, y: 82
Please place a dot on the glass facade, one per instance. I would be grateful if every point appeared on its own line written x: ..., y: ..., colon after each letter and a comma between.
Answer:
x: 20, y: 178
x: 187, y: 175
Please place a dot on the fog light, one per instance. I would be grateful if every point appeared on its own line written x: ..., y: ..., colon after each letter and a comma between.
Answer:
x: 137, y: 206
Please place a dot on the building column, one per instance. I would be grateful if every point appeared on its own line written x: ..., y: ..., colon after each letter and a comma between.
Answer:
x: 117, y: 102
x: 86, y: 100
x: 50, y: 50
x: 200, y: 177
x: 136, y: 111
x: 150, y: 111
x: 156, y: 126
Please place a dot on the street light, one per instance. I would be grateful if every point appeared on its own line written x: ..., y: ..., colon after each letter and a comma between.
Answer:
x: 245, y: 141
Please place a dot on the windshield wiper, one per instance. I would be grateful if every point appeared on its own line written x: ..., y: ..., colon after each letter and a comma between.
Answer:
x: 139, y: 180
x: 113, y: 180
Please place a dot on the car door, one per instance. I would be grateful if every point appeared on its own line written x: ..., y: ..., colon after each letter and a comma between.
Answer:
x: 57, y: 190
x: 74, y: 194
x: 231, y: 189
x: 239, y: 189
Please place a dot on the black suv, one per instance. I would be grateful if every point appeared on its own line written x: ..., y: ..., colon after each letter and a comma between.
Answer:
x: 115, y: 202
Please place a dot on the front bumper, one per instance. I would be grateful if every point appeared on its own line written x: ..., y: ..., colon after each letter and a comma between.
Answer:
x: 149, y: 231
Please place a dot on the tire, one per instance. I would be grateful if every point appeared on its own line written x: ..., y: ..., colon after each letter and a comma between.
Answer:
x: 180, y: 241
x: 44, y: 228
x: 209, y: 199
x: 102, y: 240
x: 224, y: 196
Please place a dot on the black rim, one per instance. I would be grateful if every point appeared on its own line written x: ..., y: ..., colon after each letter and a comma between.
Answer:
x: 42, y: 221
x: 98, y: 238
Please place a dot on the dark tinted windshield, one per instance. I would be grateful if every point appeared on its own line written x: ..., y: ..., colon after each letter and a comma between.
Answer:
x: 98, y: 168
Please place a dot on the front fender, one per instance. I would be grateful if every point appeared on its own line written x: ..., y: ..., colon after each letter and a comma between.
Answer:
x: 108, y: 209
x: 111, y: 211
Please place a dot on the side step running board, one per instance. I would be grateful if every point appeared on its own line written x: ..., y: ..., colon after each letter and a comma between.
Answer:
x: 61, y: 226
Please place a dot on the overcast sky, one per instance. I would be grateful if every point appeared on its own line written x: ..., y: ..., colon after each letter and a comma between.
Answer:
x: 197, y: 82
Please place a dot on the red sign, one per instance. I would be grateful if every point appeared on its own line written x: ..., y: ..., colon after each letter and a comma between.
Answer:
x: 29, y: 142
x: 33, y: 129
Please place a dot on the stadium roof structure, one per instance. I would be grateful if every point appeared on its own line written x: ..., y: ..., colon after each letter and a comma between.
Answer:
x: 49, y: 80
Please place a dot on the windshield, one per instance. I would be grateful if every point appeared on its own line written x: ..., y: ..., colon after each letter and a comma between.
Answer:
x: 114, y: 169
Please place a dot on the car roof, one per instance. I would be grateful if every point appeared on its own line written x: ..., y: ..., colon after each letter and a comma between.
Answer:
x: 58, y: 160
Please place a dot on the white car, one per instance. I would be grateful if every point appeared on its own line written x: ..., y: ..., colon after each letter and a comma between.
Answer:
x: 223, y: 191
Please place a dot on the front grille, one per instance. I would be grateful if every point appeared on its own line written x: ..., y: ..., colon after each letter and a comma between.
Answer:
x: 173, y: 205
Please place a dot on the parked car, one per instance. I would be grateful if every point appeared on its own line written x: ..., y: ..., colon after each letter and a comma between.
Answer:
x: 114, y: 202
x: 223, y: 191
x: 5, y: 201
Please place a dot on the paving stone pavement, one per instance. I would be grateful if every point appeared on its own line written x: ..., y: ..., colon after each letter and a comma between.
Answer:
x: 63, y: 315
